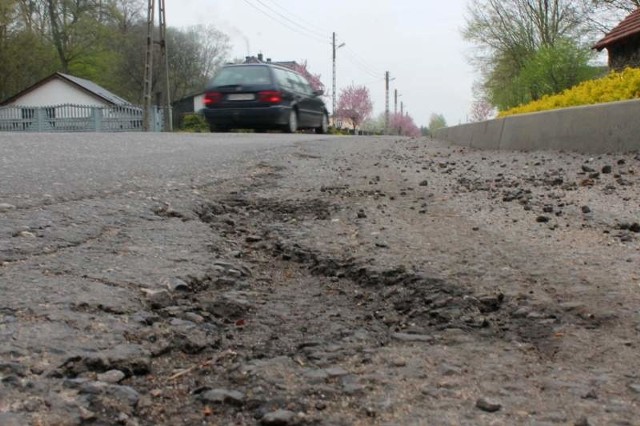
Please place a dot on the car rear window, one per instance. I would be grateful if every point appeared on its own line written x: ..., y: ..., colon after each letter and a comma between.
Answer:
x: 287, y: 79
x: 292, y: 81
x: 232, y: 76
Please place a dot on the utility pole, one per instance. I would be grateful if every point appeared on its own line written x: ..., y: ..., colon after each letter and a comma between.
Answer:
x: 333, y: 96
x: 395, y: 102
x: 168, y: 116
x: 333, y: 87
x: 386, y: 103
x: 401, y: 109
x: 148, y: 66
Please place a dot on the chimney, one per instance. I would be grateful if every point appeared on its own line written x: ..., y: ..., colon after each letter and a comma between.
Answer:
x: 260, y: 57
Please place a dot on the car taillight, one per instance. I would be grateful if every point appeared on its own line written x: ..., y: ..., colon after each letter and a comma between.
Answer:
x: 270, y: 96
x: 211, y: 98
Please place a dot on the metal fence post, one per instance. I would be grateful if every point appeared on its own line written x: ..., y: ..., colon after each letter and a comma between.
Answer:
x: 158, y: 119
x: 97, y: 118
x: 39, y: 117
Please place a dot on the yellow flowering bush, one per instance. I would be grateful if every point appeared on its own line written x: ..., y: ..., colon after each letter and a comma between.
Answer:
x: 616, y: 86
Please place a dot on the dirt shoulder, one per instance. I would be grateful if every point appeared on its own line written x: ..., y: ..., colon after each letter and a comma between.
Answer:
x: 371, y: 282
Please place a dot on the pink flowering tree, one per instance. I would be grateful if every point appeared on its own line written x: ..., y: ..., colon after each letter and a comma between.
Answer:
x: 354, y: 104
x: 313, y: 79
x: 403, y: 125
x: 481, y: 110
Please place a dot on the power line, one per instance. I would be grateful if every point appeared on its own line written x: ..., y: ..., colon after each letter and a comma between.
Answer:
x: 362, y: 68
x: 375, y: 80
x: 356, y: 59
x: 314, y: 32
x: 293, y: 24
x: 300, y: 30
x: 321, y: 30
x: 291, y: 20
x: 362, y: 64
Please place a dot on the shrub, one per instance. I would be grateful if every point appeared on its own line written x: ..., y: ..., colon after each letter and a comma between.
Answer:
x: 195, y: 123
x: 338, y: 131
x: 616, y: 86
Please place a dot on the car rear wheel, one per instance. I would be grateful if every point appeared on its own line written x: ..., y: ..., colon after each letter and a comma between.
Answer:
x: 324, y: 125
x: 292, y: 123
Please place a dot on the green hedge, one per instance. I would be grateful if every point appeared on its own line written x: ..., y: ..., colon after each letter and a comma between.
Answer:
x: 616, y: 86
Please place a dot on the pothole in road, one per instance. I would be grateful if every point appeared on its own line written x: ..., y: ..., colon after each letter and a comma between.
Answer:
x: 279, y: 300
x: 284, y: 210
x: 408, y: 302
x: 403, y: 300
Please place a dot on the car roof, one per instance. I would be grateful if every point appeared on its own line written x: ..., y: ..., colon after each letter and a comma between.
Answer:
x: 263, y: 64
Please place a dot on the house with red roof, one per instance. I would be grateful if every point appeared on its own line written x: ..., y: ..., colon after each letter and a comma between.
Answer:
x: 623, y: 43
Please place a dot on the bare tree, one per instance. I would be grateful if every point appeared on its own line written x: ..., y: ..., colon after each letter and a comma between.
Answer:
x: 25, y: 54
x: 509, y: 34
x: 102, y: 40
x: 71, y: 24
x: 607, y: 13
x: 7, y: 16
x: 516, y: 26
x: 626, y: 6
x: 194, y: 56
x: 31, y: 15
x: 123, y: 14
x: 194, y: 53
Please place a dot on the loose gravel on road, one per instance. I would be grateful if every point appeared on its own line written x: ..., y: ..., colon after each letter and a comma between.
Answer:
x: 355, y: 281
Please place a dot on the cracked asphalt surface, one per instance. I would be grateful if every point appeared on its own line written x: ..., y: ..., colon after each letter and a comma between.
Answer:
x: 313, y: 280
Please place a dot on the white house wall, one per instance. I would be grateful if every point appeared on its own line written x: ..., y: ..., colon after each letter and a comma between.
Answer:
x: 57, y: 92
x: 198, y: 102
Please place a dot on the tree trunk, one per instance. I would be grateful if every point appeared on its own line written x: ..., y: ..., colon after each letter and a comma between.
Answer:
x: 57, y: 36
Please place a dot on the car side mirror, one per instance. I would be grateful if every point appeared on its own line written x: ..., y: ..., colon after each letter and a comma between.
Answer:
x: 318, y: 92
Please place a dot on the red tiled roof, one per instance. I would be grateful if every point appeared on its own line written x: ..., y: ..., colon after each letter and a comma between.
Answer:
x: 628, y: 27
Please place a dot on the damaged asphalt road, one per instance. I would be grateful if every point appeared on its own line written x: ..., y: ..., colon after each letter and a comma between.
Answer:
x: 307, y: 280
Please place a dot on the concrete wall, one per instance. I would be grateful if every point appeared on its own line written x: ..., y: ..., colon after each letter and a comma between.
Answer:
x: 611, y: 127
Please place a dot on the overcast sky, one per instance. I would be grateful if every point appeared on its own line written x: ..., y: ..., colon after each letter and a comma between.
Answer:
x: 417, y: 41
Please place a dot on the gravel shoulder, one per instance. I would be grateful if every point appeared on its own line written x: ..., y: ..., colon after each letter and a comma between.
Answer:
x: 375, y: 281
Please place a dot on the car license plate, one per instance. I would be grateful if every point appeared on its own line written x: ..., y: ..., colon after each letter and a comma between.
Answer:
x: 241, y: 97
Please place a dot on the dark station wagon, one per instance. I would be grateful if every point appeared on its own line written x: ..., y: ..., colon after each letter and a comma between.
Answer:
x: 263, y: 97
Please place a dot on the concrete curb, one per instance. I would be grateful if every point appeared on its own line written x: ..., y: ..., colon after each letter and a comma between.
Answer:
x: 596, y: 129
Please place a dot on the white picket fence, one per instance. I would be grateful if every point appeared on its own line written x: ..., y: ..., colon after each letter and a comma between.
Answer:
x: 77, y: 118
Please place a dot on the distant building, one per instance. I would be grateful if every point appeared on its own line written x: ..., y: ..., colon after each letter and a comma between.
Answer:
x: 61, y: 89
x: 260, y: 60
x: 63, y: 102
x: 623, y: 43
x: 188, y: 105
